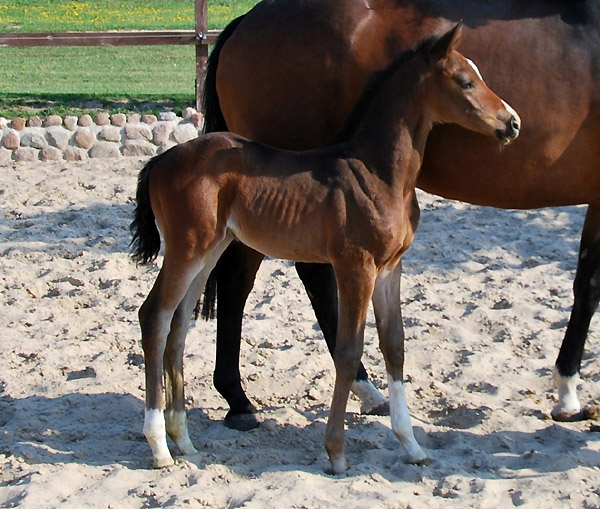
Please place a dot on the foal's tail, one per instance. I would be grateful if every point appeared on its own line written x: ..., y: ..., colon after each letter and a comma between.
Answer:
x: 214, y: 121
x: 145, y: 242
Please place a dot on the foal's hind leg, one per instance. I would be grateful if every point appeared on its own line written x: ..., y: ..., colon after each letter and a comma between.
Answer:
x: 156, y: 314
x: 321, y: 288
x: 176, y: 421
x: 386, y: 305
x: 586, y: 290
x: 163, y: 338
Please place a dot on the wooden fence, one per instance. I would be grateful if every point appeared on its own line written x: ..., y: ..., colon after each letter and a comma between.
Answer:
x: 201, y: 37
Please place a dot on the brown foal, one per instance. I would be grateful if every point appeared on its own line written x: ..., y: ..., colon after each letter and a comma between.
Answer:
x: 351, y: 204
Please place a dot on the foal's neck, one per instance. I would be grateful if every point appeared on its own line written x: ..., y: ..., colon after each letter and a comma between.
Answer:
x: 390, y: 137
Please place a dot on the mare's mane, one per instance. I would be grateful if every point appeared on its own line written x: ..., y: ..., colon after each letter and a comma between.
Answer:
x: 372, y: 87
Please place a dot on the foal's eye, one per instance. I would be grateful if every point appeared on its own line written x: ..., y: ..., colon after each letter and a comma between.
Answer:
x: 466, y: 84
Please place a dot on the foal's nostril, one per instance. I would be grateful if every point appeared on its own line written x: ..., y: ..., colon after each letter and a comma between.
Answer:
x: 514, y: 123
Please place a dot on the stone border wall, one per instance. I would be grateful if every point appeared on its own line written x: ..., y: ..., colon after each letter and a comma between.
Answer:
x: 79, y: 138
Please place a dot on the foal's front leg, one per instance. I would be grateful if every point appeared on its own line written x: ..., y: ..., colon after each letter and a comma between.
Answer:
x: 387, y: 308
x: 355, y: 286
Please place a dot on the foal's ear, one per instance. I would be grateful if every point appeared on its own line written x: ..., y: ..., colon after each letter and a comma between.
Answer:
x: 446, y: 43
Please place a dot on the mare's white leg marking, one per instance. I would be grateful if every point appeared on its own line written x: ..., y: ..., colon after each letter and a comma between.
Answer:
x: 178, y: 431
x: 568, y: 403
x: 369, y: 396
x: 401, y: 424
x: 154, y: 430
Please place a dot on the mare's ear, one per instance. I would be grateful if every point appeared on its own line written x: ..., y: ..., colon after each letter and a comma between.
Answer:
x: 446, y: 43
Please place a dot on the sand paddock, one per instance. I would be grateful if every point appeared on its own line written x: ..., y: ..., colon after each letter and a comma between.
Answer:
x: 487, y: 295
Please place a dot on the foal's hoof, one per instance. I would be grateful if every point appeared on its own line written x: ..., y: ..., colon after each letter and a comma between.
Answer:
x: 381, y: 409
x: 163, y: 462
x: 568, y: 416
x: 241, y: 422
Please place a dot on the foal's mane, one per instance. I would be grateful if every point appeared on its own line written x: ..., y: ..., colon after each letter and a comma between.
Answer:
x: 372, y: 87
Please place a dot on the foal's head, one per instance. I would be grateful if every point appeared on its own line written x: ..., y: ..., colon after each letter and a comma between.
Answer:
x: 459, y: 94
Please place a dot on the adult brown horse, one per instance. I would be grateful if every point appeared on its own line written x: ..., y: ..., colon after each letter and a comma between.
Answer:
x: 288, y: 72
x: 351, y: 204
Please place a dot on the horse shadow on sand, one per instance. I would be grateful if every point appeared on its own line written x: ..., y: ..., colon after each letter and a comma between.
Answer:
x: 105, y: 429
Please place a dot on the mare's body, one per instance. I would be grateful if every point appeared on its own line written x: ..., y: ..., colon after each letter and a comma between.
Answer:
x: 351, y: 204
x: 289, y: 71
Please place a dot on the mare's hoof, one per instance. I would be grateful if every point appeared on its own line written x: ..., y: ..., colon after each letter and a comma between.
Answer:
x: 381, y: 409
x: 241, y: 422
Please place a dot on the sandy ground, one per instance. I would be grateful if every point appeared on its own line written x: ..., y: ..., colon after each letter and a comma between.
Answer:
x: 487, y: 295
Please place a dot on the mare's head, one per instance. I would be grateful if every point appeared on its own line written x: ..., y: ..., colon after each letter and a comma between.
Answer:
x: 459, y: 95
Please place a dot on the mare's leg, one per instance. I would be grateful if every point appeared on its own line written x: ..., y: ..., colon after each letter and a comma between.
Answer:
x: 386, y: 305
x: 236, y: 271
x: 355, y: 286
x: 586, y: 290
x: 321, y: 288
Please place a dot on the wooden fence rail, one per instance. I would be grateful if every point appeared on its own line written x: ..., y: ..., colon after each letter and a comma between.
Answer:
x: 201, y: 38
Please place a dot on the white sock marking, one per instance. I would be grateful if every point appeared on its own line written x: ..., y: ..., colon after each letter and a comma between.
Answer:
x: 568, y: 403
x: 178, y: 431
x: 154, y: 430
x: 401, y: 424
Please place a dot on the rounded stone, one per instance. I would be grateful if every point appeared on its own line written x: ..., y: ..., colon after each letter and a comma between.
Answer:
x: 18, y: 123
x: 52, y: 121
x: 138, y: 148
x: 26, y: 154
x: 148, y: 119
x: 71, y: 122
x: 11, y: 140
x: 187, y: 113
x: 34, y: 139
x: 133, y: 118
x: 3, y: 123
x: 84, y: 138
x: 85, y: 121
x: 75, y: 154
x: 58, y: 137
x: 51, y: 154
x: 118, y: 119
x: 102, y: 118
x: 185, y: 132
x: 104, y: 150
x: 160, y: 134
x: 197, y: 119
x: 34, y: 121
x: 110, y: 133
x: 138, y: 132
x: 167, y: 116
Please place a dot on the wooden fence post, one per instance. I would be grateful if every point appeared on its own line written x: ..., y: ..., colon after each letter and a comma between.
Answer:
x: 201, y: 48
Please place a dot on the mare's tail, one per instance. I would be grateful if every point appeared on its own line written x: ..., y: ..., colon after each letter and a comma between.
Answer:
x: 145, y: 242
x: 214, y: 121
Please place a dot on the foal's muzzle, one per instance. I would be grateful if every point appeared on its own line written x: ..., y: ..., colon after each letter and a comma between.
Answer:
x: 510, y: 131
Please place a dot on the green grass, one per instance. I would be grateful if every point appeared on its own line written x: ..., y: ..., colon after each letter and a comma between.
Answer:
x: 72, y: 80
